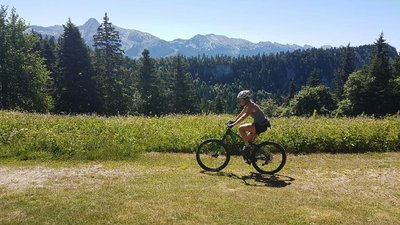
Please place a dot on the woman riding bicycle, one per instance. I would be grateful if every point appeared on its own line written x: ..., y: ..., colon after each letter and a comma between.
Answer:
x: 249, y: 131
x: 266, y: 157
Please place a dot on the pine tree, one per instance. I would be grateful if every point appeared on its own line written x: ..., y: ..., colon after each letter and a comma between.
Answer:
x: 108, y: 45
x: 369, y: 90
x: 292, y: 90
x: 75, y: 82
x: 4, y: 49
x: 48, y: 52
x: 395, y: 85
x: 148, y: 86
x: 218, y: 105
x: 396, y: 67
x: 111, y: 76
x: 380, y: 70
x: 183, y: 88
x: 315, y: 78
x: 345, y: 69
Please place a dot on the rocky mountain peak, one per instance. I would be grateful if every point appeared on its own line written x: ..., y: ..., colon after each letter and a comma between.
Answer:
x: 134, y: 42
x: 92, y: 22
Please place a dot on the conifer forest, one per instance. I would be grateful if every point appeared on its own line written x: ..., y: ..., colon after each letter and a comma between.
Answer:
x: 66, y: 76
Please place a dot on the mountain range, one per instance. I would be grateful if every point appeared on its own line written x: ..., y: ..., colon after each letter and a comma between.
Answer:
x: 134, y: 42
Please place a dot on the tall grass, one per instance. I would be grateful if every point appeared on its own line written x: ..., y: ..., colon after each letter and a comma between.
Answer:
x: 32, y: 136
x: 337, y: 135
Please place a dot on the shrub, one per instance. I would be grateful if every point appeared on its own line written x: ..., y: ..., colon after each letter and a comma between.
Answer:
x: 313, y: 98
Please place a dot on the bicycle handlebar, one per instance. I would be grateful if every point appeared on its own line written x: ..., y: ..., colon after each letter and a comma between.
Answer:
x: 229, y: 124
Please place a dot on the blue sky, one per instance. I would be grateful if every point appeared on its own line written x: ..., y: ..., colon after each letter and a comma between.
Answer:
x: 313, y: 22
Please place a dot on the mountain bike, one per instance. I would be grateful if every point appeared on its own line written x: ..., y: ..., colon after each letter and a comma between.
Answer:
x: 214, y: 154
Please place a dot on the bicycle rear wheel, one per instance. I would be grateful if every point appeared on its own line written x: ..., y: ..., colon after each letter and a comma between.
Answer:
x: 268, y: 158
x: 212, y: 155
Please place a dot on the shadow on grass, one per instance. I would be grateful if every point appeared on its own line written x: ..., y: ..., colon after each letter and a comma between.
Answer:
x: 257, y: 179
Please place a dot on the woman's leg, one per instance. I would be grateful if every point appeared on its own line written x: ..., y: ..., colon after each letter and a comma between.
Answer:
x: 247, y: 132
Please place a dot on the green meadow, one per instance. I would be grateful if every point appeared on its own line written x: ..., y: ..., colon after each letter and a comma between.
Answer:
x: 170, y: 188
x: 142, y: 170
x: 37, y: 136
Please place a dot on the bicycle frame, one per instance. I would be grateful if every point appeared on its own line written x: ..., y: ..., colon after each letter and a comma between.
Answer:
x: 234, y: 136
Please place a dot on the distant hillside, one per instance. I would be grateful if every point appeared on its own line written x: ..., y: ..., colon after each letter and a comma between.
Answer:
x: 134, y: 41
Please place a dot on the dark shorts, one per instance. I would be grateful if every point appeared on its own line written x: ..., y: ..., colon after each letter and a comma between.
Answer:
x: 261, y: 127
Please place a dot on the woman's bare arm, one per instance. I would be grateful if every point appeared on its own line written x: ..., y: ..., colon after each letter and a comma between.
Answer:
x: 242, y: 115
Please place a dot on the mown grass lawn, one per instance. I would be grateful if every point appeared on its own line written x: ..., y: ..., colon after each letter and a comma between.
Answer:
x: 158, y: 188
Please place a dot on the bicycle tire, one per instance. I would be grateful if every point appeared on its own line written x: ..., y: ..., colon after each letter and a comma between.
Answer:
x: 268, y: 158
x: 212, y: 155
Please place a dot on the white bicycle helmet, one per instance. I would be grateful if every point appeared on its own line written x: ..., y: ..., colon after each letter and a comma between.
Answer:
x: 244, y: 94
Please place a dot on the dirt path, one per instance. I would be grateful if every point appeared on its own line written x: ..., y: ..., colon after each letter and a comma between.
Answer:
x: 22, y: 178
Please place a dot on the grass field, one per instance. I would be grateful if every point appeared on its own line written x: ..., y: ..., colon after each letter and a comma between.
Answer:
x: 170, y: 188
x: 27, y: 136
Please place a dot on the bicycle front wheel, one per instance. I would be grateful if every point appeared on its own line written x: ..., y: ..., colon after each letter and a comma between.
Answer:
x: 268, y: 158
x: 212, y: 155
